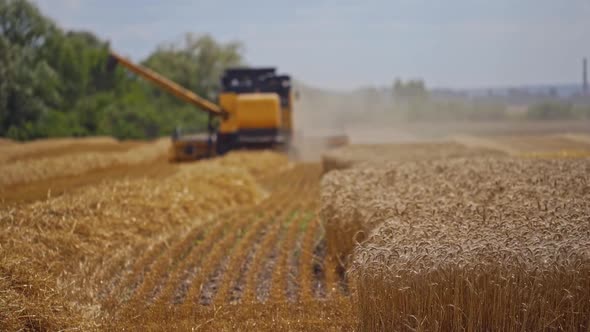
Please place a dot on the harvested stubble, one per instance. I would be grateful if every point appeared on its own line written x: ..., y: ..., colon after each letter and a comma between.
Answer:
x: 26, y: 171
x: 12, y: 151
x: 52, y: 252
x: 469, y: 244
x: 362, y: 154
x: 265, y: 165
x: 564, y: 154
x: 223, y: 282
x: 280, y: 277
x: 5, y: 142
x: 578, y: 138
x: 540, y: 146
x: 239, y: 262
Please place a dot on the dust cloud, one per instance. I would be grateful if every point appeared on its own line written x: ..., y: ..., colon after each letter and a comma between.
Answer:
x: 370, y: 115
x: 324, y: 119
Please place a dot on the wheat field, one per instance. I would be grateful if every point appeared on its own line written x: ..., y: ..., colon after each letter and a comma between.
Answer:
x: 492, y: 242
x: 99, y: 235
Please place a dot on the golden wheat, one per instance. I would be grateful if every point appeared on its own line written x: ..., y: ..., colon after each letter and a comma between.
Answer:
x: 465, y: 244
x: 543, y: 146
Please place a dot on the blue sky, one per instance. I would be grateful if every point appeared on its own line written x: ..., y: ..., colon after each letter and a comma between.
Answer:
x: 346, y: 44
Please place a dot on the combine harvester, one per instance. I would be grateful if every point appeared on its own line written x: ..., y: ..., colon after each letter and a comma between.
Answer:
x: 255, y: 111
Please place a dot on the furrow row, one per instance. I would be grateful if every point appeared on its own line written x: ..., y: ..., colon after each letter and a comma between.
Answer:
x: 133, y: 278
x: 280, y: 276
x: 245, y: 249
x: 306, y: 282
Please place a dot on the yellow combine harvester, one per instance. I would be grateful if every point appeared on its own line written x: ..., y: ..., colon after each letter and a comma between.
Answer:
x: 255, y: 111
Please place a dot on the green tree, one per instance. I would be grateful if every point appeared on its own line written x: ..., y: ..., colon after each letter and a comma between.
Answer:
x: 29, y: 85
x: 22, y: 23
x: 55, y: 82
x: 197, y: 63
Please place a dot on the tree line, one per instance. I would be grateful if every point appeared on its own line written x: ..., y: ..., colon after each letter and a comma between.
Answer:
x: 55, y: 82
x: 414, y: 102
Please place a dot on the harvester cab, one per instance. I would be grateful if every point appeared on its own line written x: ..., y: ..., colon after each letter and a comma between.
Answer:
x: 260, y: 106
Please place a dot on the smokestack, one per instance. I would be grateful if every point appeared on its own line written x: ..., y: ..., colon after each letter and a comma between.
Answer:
x: 585, y: 76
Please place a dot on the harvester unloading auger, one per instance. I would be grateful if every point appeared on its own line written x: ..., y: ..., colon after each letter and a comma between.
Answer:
x: 255, y: 111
